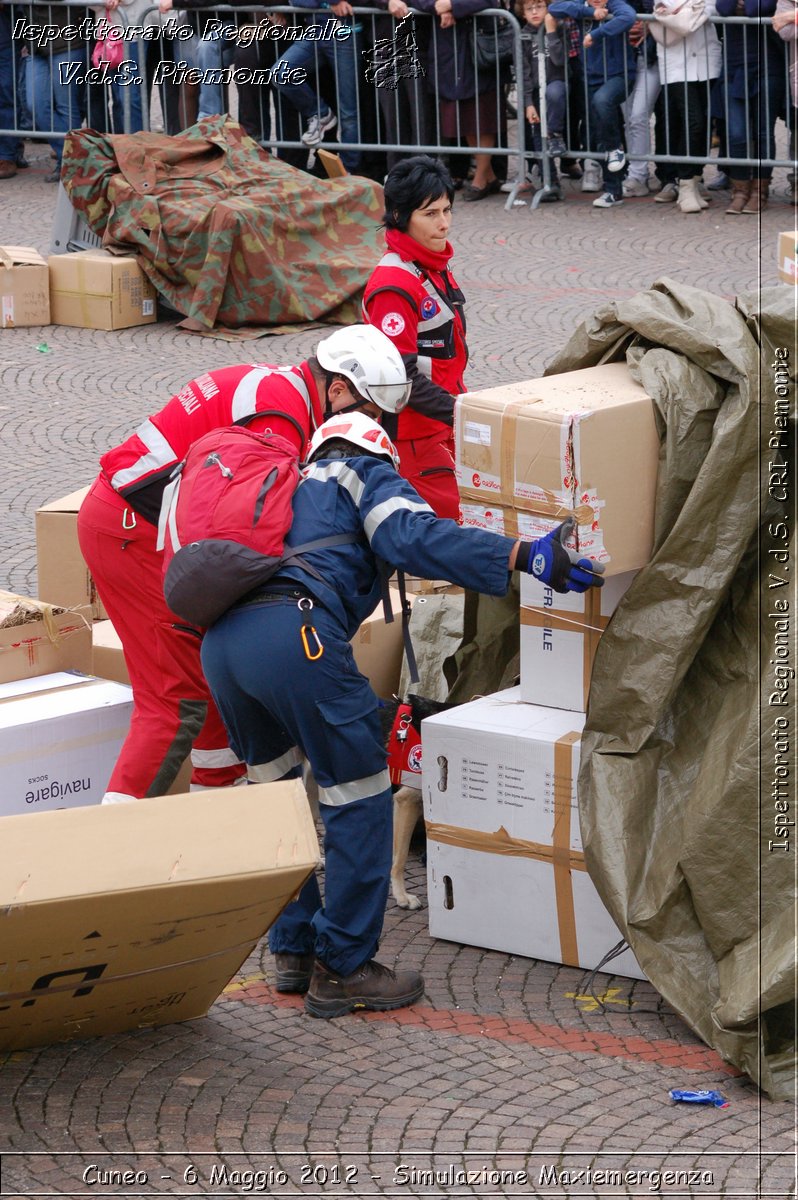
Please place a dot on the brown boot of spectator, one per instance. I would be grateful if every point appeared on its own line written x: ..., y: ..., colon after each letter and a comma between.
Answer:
x: 758, y: 200
x: 740, y: 192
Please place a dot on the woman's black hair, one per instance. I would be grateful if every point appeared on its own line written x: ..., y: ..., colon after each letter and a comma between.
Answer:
x: 409, y: 184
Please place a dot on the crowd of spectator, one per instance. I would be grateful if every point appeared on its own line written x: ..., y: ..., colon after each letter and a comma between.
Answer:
x: 619, y: 81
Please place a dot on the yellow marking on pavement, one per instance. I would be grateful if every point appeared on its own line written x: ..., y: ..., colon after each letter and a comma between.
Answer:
x: 239, y: 984
x: 590, y: 1004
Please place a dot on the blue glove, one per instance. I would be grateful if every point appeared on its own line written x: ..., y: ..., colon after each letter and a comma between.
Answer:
x: 550, y: 561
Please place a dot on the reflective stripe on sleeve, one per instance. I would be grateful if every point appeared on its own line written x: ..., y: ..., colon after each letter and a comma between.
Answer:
x: 270, y: 772
x: 245, y: 397
x: 159, y: 454
x: 356, y: 789
x: 382, y: 511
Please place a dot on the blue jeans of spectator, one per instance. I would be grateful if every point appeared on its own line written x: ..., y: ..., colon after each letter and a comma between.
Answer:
x: 129, y: 93
x: 750, y: 129
x: 556, y: 92
x: 10, y: 147
x: 214, y: 52
x: 344, y: 58
x: 54, y: 93
x: 605, y: 123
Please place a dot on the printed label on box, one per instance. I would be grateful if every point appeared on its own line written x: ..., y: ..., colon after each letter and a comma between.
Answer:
x: 476, y: 433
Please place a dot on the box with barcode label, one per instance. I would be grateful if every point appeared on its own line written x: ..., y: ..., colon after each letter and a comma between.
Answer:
x: 93, y: 289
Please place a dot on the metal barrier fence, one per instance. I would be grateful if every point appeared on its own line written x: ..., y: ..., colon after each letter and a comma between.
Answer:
x: 409, y: 82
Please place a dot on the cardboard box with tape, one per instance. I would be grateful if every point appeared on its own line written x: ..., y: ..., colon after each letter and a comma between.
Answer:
x: 559, y: 638
x: 38, y: 638
x: 93, y: 289
x: 63, y: 577
x: 585, y: 444
x: 24, y: 287
x: 60, y: 736
x: 787, y: 257
x: 97, y: 939
x: 505, y: 868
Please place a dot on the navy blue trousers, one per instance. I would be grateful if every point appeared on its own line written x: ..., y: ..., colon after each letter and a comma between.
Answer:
x: 278, y: 704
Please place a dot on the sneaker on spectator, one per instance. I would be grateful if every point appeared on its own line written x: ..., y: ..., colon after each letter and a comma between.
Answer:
x: 635, y: 187
x: 318, y: 126
x: 616, y: 160
x: 607, y: 200
x: 719, y: 184
x: 668, y: 194
x: 591, y: 176
x: 556, y: 145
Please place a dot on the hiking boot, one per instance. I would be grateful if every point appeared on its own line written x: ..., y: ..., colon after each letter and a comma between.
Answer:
x: 318, y: 126
x: 372, y: 986
x: 293, y: 972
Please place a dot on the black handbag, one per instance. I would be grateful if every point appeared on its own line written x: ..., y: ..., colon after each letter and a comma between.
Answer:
x: 495, y: 40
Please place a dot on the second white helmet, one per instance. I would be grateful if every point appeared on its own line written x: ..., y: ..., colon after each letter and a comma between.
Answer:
x: 369, y: 359
x: 358, y: 431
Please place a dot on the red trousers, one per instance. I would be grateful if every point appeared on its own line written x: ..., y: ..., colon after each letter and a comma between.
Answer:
x: 428, y: 463
x: 173, y: 713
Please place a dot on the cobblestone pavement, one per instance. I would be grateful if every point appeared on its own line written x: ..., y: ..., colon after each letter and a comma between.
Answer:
x: 507, y: 1066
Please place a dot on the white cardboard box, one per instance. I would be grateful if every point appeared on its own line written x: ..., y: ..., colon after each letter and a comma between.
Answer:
x: 60, y: 736
x: 559, y: 638
x: 505, y: 868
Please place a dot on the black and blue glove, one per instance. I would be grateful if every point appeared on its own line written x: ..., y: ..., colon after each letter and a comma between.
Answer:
x: 550, y: 561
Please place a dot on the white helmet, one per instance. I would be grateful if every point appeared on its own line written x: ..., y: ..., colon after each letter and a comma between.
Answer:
x: 370, y: 361
x: 358, y: 430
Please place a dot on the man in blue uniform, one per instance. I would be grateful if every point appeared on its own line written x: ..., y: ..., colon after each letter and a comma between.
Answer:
x: 283, y: 675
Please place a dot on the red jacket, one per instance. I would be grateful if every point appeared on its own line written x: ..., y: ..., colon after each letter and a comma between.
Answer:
x: 260, y: 395
x: 421, y: 310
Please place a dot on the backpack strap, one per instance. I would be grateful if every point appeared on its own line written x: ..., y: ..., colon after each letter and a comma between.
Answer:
x: 410, y: 655
x: 293, y: 554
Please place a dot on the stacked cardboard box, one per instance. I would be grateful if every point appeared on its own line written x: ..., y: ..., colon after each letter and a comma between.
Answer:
x: 94, y: 289
x: 24, y: 288
x: 499, y: 774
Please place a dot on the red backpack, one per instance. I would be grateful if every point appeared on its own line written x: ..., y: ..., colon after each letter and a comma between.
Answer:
x: 224, y: 519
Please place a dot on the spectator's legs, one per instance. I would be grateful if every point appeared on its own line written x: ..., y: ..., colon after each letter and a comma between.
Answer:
x: 344, y: 58
x: 637, y: 111
x: 127, y: 96
x: 307, y: 101
x: 10, y: 147
x: 605, y: 115
x: 54, y: 95
x: 215, y: 51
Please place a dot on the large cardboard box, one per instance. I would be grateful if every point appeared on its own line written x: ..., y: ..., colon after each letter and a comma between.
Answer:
x: 530, y: 454
x: 63, y: 575
x: 24, y: 287
x: 559, y: 638
x: 92, y: 289
x: 38, y: 638
x: 60, y: 736
x: 787, y: 260
x: 505, y: 868
x: 131, y: 915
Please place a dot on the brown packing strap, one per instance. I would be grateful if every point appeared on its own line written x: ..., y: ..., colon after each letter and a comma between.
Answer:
x: 563, y: 888
x: 499, y: 842
x: 591, y: 624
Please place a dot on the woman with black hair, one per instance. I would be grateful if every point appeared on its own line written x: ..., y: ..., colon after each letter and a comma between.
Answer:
x: 413, y: 298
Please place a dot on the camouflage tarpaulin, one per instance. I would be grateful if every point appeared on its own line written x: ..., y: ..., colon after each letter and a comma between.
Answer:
x: 687, y: 779
x: 228, y: 234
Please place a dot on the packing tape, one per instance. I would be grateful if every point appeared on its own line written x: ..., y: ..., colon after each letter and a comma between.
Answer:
x: 563, y: 859
x: 591, y: 624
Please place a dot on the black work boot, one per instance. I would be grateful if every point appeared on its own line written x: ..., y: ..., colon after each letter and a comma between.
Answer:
x: 372, y: 986
x: 293, y: 972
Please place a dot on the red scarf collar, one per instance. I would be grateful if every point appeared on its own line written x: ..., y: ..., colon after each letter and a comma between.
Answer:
x: 409, y: 248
